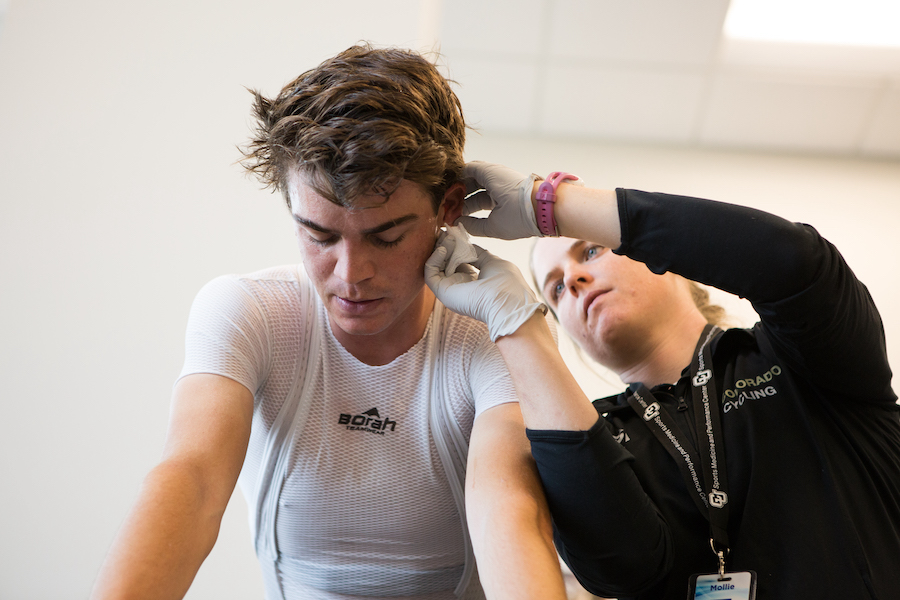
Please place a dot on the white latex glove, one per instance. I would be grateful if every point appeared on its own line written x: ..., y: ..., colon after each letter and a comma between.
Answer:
x: 507, y: 194
x: 496, y: 294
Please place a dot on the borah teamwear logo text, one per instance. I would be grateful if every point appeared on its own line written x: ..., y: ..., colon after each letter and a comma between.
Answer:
x: 369, y: 421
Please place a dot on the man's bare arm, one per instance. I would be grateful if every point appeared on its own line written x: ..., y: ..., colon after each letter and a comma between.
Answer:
x: 507, y: 513
x: 174, y: 523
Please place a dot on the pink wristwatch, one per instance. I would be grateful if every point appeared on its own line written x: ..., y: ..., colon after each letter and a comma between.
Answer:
x: 546, y: 198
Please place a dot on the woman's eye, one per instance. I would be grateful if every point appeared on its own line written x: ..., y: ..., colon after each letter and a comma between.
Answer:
x: 557, y: 289
x: 592, y: 252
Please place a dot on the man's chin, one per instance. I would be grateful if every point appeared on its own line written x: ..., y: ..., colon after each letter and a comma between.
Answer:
x: 358, y: 325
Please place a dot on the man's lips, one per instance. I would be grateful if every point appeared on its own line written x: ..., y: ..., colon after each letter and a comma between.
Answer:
x: 589, y: 300
x: 356, y: 305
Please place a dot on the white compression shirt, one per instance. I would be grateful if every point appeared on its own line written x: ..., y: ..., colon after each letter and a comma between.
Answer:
x: 366, y: 508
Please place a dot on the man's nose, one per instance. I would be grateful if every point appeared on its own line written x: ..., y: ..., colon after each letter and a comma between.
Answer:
x: 353, y: 264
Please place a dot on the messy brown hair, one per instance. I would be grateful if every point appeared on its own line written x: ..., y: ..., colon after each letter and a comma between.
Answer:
x: 360, y: 123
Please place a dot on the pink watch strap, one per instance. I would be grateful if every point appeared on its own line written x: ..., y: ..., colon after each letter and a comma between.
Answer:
x: 546, y: 198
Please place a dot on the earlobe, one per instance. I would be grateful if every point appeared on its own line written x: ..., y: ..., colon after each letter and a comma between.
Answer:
x: 452, y: 203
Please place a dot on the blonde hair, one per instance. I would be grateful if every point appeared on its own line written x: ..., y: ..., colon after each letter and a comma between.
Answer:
x: 713, y: 313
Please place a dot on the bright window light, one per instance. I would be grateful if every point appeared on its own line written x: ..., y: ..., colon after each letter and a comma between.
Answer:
x: 833, y: 22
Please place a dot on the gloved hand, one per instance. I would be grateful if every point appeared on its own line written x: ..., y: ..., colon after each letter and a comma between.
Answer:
x: 496, y: 294
x: 507, y: 194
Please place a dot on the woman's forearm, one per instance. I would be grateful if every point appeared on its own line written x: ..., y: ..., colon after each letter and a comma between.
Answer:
x: 586, y: 214
x: 549, y: 396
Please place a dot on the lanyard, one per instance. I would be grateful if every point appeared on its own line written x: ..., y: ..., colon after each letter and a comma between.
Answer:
x: 709, y: 493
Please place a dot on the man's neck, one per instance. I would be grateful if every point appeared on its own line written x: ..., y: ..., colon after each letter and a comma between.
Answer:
x: 405, y: 332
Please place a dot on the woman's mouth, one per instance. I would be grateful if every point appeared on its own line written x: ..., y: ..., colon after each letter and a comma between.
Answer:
x: 589, y: 300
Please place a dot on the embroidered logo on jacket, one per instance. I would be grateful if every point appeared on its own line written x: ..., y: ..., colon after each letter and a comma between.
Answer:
x: 750, y: 388
x: 369, y: 421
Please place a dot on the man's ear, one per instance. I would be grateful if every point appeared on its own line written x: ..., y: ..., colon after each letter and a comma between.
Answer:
x: 452, y: 204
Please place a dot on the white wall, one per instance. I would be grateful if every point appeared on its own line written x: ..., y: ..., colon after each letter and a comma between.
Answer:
x: 120, y: 198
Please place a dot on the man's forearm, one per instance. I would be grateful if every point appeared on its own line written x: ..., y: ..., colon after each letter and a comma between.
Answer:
x: 164, y: 540
x: 514, y: 546
x: 508, y: 517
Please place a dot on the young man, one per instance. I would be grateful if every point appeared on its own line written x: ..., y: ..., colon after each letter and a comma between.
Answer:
x: 352, y: 405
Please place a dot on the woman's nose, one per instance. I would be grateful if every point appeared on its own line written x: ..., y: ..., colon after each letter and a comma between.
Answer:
x: 577, y: 278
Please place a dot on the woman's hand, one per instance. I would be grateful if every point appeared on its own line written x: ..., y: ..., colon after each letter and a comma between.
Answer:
x: 495, y: 294
x: 504, y: 192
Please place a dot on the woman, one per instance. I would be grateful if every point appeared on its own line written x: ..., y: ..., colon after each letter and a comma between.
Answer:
x: 765, y: 458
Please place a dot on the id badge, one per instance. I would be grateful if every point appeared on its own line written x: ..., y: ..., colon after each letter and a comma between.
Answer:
x: 735, y: 586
